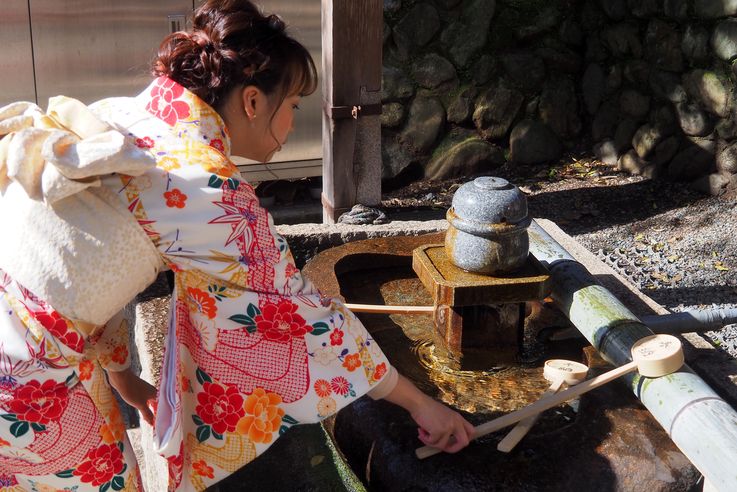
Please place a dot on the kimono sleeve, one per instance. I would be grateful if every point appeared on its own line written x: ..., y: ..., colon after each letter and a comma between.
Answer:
x: 110, y: 346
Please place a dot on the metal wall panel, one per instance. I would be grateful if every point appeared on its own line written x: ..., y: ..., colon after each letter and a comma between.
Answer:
x: 16, y: 61
x: 92, y: 49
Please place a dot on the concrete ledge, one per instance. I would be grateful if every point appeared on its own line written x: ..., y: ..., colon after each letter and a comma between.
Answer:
x: 306, y: 240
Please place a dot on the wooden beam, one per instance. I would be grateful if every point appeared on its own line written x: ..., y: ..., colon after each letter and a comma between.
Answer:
x: 352, y: 61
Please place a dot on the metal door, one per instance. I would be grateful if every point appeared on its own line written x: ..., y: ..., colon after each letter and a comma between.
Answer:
x: 92, y: 49
x: 16, y: 62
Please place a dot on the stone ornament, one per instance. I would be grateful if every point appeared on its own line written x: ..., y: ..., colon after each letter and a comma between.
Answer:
x: 487, y: 231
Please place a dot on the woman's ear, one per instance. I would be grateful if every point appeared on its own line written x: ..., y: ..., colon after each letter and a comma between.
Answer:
x: 252, y: 101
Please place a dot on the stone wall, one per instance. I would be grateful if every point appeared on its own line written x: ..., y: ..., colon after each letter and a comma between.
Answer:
x: 647, y: 85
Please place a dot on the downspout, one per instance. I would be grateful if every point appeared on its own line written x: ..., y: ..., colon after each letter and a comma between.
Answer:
x: 691, y: 321
x: 698, y: 421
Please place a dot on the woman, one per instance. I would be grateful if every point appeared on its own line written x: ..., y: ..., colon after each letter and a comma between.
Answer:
x: 252, y: 348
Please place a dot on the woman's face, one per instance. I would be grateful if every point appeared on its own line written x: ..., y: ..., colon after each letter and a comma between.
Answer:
x: 255, y: 134
x: 282, y: 125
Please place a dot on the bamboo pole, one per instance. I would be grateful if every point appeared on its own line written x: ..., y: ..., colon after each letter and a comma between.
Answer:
x: 698, y: 421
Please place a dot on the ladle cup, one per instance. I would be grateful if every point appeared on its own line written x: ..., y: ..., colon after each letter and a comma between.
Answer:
x: 652, y: 356
x: 558, y: 372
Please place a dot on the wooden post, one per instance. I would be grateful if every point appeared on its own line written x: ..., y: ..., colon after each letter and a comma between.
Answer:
x: 352, y: 61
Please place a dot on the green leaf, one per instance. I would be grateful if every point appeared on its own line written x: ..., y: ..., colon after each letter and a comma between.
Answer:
x: 319, y: 328
x: 19, y: 428
x: 215, y: 182
x: 38, y: 427
x: 118, y: 483
x: 283, y: 429
x: 253, y: 311
x: 125, y: 467
x: 217, y: 436
x: 71, y: 378
x: 197, y: 420
x: 233, y: 184
x: 120, y: 446
x: 66, y: 473
x: 203, y: 377
x: 10, y: 416
x: 203, y: 433
x: 242, y: 319
x: 104, y: 486
x: 289, y: 420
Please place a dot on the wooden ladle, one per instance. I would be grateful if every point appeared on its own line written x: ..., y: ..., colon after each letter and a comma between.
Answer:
x: 652, y: 356
x: 386, y: 309
x: 559, y: 372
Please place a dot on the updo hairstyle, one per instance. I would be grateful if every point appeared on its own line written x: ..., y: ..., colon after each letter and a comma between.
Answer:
x: 232, y: 44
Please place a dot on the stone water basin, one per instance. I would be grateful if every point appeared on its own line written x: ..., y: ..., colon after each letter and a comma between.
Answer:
x: 604, y: 441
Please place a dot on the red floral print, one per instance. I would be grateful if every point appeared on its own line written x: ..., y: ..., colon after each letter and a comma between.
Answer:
x: 340, y: 385
x: 163, y: 102
x: 217, y: 144
x: 85, y: 370
x: 322, y: 388
x: 120, y: 354
x: 352, y: 362
x: 203, y: 469
x: 175, y: 198
x: 145, y: 142
x: 280, y: 322
x: 176, y: 464
x: 220, y: 406
x: 336, y: 337
x: 40, y: 403
x: 380, y: 371
x: 61, y: 329
x: 100, y: 465
x: 205, y: 304
x: 290, y: 270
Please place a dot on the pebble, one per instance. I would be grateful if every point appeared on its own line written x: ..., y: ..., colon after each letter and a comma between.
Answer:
x: 684, y: 259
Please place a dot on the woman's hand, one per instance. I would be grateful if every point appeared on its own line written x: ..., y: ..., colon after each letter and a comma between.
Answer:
x: 440, y: 427
x: 135, y: 391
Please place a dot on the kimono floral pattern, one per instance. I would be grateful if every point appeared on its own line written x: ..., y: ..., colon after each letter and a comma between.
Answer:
x: 53, y: 391
x: 253, y: 348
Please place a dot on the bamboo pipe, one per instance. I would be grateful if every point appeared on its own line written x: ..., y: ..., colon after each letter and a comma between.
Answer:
x: 697, y: 419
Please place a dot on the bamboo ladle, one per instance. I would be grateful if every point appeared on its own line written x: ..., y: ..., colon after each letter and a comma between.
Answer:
x: 558, y: 372
x: 385, y: 309
x: 652, y: 356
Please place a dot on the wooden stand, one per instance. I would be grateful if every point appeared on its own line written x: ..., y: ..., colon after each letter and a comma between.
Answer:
x: 479, y: 313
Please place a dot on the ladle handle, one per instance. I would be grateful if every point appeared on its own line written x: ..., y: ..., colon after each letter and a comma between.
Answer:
x: 383, y: 309
x: 523, y: 426
x: 538, y: 406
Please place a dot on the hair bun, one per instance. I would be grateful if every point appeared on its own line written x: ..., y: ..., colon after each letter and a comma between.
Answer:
x: 201, y: 39
x: 276, y: 23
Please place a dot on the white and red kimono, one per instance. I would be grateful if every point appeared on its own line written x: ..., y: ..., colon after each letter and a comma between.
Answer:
x: 252, y: 348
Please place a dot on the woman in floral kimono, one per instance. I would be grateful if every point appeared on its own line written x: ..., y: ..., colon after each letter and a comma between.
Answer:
x: 252, y: 349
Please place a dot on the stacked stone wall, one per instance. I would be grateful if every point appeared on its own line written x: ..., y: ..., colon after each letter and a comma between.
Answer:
x: 646, y: 85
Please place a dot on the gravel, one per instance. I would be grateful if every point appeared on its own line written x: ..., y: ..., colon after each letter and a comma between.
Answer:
x: 676, y: 245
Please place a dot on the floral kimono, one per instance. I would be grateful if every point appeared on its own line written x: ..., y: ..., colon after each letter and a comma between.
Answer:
x: 252, y: 348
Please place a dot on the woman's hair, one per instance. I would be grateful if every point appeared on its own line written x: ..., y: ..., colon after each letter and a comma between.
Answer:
x: 233, y: 44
